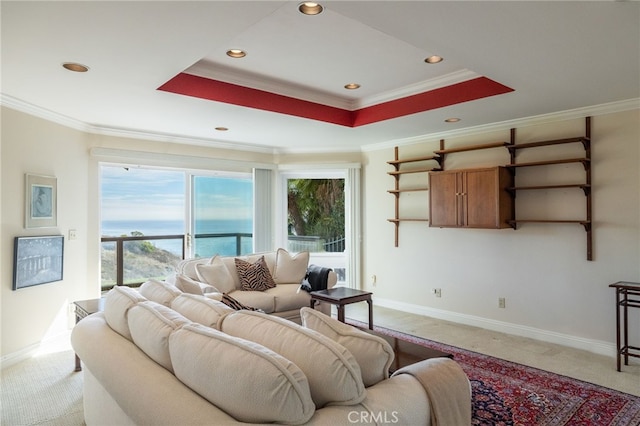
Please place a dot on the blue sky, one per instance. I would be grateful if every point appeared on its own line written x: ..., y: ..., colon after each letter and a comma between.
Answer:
x: 152, y: 194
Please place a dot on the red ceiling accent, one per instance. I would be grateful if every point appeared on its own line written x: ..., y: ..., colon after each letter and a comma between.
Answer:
x: 214, y: 90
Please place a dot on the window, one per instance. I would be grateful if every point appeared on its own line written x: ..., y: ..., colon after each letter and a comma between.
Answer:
x: 320, y: 214
x: 151, y: 218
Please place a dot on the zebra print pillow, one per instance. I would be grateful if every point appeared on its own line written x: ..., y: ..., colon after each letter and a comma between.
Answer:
x: 254, y: 276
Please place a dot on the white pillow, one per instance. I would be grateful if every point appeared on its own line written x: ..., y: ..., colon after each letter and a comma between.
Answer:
x: 200, y: 309
x: 333, y: 373
x: 116, y: 306
x: 151, y: 324
x: 216, y: 274
x: 373, y: 353
x: 159, y: 291
x: 187, y: 285
x: 246, y: 380
x: 290, y: 269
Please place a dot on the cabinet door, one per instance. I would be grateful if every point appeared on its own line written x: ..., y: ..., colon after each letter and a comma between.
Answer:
x: 444, y: 208
x: 481, y: 199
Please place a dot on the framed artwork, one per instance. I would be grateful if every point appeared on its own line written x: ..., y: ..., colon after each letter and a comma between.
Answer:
x: 37, y: 260
x: 40, y: 201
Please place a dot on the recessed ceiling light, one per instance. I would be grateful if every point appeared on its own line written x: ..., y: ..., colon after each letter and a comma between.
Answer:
x: 310, y: 8
x: 236, y: 53
x: 75, y: 67
x: 452, y: 120
x: 352, y: 86
x: 222, y: 129
x: 434, y: 59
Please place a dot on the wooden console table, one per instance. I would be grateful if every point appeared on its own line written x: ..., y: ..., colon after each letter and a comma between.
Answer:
x: 342, y: 296
x: 627, y: 295
x: 84, y: 308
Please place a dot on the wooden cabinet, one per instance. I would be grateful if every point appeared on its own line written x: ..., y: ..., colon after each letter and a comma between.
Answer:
x: 472, y: 198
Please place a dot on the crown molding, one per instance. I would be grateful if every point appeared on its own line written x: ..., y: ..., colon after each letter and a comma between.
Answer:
x: 420, y: 87
x: 45, y: 114
x: 595, y: 110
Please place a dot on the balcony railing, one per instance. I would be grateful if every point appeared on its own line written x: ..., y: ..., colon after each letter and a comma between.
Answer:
x: 135, y: 259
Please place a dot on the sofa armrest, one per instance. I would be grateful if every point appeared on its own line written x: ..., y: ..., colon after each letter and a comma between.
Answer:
x: 332, y: 280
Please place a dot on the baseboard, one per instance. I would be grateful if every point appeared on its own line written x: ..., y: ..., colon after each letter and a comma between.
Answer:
x: 50, y: 344
x: 595, y: 346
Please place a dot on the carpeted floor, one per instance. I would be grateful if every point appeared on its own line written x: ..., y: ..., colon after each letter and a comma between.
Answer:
x: 507, y: 393
x: 43, y: 390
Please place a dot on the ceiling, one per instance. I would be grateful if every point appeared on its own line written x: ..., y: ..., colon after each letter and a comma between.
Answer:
x: 158, y: 69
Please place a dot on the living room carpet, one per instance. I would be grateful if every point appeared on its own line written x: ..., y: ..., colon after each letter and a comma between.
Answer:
x: 507, y: 393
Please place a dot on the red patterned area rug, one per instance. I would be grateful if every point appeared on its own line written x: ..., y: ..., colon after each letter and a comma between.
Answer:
x: 507, y: 393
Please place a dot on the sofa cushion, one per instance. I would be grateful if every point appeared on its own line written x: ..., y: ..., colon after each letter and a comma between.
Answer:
x: 151, y: 324
x: 290, y: 269
x: 217, y: 274
x: 200, y: 309
x: 187, y: 285
x: 374, y: 354
x: 254, y: 276
x: 287, y: 297
x: 159, y: 291
x: 116, y: 307
x: 248, y: 381
x: 333, y: 373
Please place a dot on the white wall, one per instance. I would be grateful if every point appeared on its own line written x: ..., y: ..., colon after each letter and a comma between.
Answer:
x: 31, y: 145
x: 552, y: 292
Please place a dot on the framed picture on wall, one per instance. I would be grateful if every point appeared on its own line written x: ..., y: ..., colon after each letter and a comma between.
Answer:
x: 40, y: 201
x: 37, y: 260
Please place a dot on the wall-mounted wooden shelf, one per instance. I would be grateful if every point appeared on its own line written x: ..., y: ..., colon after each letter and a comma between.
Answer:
x: 585, y: 162
x: 512, y: 188
x: 472, y: 148
x: 586, y: 186
x: 398, y: 172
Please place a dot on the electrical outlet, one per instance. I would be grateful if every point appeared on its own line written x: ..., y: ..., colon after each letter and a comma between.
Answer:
x: 73, y: 234
x: 437, y: 292
x: 374, y: 280
x: 502, y: 302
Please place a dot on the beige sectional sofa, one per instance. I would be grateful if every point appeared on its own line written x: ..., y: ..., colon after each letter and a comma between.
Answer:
x: 220, y: 274
x: 185, y: 359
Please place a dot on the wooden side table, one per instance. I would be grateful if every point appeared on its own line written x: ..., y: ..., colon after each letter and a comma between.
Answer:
x: 627, y: 296
x: 342, y: 296
x: 84, y: 308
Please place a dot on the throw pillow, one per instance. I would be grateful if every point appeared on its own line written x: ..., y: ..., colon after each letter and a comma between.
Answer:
x: 290, y: 269
x: 217, y: 274
x: 254, y: 276
x: 187, y: 285
x: 373, y: 353
x: 234, y: 304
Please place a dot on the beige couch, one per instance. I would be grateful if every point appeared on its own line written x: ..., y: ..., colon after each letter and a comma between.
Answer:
x: 188, y: 360
x: 220, y: 275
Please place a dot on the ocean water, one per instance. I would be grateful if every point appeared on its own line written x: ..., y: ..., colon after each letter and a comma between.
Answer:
x: 203, y: 247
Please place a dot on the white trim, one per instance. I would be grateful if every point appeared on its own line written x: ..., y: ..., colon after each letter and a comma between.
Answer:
x: 596, y: 110
x: 174, y: 160
x: 323, y: 168
x: 596, y: 346
x: 22, y: 106
x: 417, y: 88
